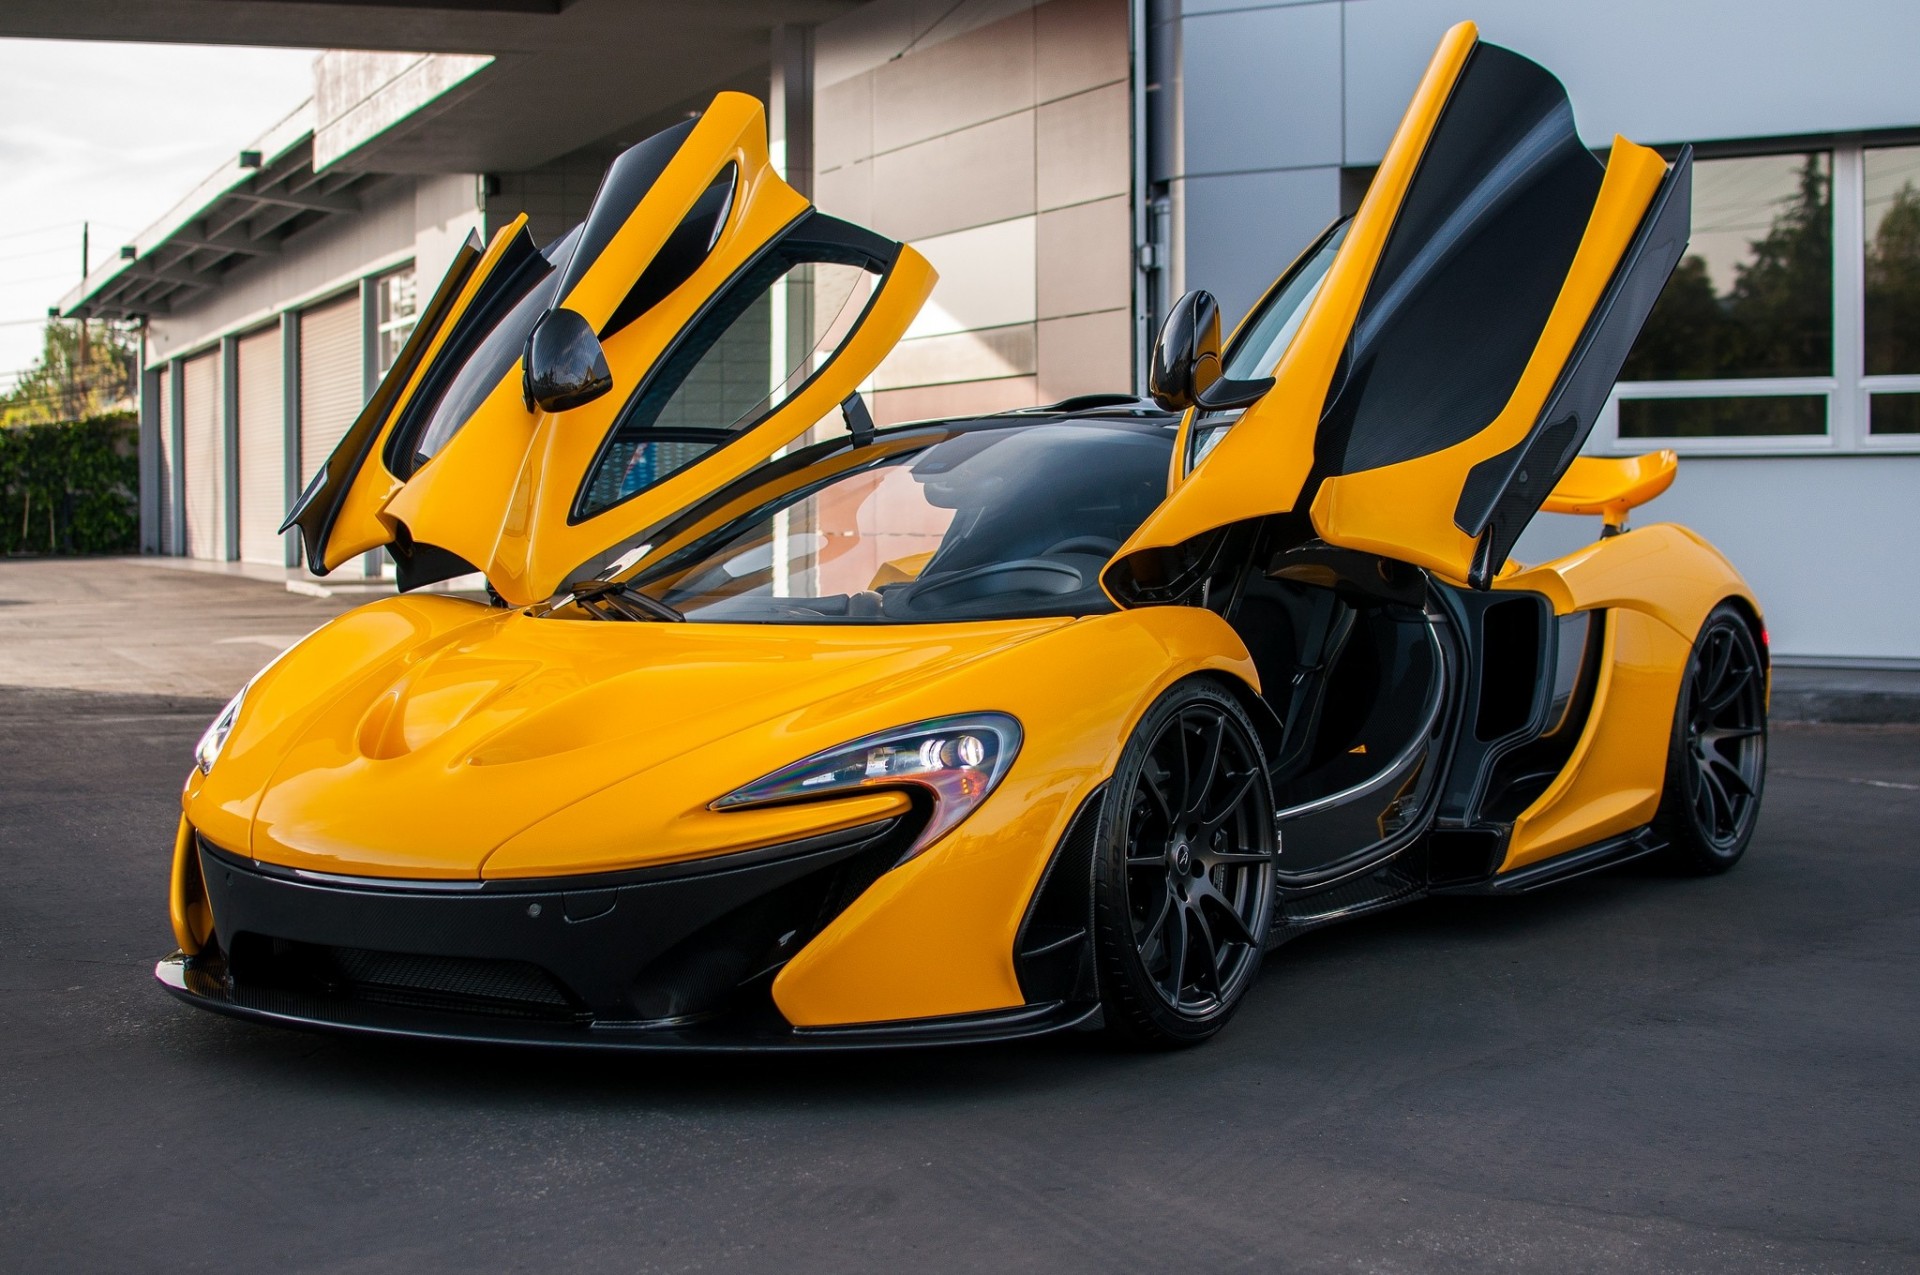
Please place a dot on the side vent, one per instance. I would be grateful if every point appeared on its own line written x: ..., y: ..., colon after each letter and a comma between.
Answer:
x: 1509, y: 667
x: 1053, y: 952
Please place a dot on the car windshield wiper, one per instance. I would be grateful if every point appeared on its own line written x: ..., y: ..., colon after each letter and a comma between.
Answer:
x: 617, y: 600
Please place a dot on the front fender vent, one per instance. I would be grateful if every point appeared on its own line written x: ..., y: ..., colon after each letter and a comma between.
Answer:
x: 1053, y: 952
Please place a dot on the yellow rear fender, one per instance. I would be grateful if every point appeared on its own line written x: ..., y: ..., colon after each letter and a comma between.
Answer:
x: 1662, y: 570
x: 1653, y: 588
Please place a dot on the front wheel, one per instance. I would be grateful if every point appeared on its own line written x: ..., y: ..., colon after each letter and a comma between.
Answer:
x: 1183, y: 871
x: 1717, y: 758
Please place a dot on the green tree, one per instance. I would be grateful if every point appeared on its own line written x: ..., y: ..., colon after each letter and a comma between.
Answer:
x: 82, y: 371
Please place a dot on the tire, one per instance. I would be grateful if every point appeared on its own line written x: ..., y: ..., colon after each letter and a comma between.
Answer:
x: 1717, y: 755
x: 1185, y: 845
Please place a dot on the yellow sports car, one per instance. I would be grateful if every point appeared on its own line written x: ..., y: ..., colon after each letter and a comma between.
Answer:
x: 784, y: 731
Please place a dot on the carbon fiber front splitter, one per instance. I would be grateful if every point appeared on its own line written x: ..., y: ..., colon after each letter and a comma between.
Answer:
x: 203, y: 982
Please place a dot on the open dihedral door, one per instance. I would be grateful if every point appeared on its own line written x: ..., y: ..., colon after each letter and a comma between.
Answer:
x: 1464, y: 337
x: 732, y: 318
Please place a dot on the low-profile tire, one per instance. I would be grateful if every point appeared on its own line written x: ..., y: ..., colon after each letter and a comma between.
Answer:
x: 1183, y: 880
x: 1717, y: 756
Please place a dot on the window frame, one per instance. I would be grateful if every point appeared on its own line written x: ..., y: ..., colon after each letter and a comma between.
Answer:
x: 1847, y: 391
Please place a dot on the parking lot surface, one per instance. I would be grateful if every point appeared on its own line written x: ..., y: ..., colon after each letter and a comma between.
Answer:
x: 1633, y: 1072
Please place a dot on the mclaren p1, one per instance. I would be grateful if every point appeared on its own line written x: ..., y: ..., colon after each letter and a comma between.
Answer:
x: 778, y: 730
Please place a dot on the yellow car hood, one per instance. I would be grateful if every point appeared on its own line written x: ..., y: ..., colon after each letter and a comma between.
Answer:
x: 418, y: 736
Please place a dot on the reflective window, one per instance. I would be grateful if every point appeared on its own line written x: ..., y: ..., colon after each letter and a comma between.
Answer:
x: 1754, y: 294
x: 397, y: 308
x: 744, y: 357
x: 986, y: 524
x: 479, y: 352
x: 1264, y: 337
x: 1895, y: 414
x: 1753, y: 298
x: 1890, y: 211
x: 1760, y: 416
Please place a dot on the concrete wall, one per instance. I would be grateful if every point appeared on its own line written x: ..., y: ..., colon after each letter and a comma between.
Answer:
x: 998, y: 144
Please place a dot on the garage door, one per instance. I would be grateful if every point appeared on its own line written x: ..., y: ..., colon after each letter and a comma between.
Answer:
x: 263, y: 448
x: 330, y: 378
x: 168, y: 463
x: 200, y: 412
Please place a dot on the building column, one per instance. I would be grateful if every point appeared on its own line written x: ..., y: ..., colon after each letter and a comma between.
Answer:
x: 290, y: 421
x: 372, y: 560
x: 230, y: 446
x: 790, y: 106
x: 151, y: 412
x: 177, y: 440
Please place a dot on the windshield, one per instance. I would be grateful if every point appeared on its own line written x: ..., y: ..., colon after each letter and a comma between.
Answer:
x: 992, y: 523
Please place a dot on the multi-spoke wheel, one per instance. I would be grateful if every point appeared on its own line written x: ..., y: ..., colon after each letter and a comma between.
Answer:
x: 1717, y: 761
x: 1183, y: 879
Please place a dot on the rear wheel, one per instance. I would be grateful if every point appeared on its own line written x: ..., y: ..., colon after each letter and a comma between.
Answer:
x: 1183, y: 872
x: 1717, y: 759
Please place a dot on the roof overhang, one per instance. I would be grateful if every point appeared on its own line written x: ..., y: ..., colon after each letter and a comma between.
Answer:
x: 237, y: 214
x: 562, y: 74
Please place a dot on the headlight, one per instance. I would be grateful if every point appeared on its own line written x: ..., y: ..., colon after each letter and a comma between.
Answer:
x: 207, y: 751
x: 958, y: 760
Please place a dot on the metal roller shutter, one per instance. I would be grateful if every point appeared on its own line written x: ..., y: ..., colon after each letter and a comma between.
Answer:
x: 263, y: 448
x: 168, y: 462
x: 330, y: 378
x: 201, y: 415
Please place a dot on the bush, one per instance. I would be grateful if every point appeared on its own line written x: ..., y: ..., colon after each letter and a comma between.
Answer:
x: 71, y: 487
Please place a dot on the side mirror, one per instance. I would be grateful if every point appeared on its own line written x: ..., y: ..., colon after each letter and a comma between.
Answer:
x: 563, y: 365
x: 1186, y: 370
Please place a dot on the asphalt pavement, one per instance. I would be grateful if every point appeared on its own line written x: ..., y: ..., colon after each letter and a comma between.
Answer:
x: 1633, y: 1072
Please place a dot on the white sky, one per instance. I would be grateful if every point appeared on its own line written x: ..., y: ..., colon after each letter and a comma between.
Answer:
x: 114, y: 134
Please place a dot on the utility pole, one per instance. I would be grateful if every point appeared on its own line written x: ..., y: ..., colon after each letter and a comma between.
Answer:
x: 84, y: 352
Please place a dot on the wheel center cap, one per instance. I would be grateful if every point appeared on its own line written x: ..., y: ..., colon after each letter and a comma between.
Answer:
x: 1182, y: 857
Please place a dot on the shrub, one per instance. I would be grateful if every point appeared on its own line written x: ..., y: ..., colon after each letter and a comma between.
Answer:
x: 71, y: 487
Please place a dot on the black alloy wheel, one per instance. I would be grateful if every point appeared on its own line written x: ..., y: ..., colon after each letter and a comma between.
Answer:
x: 1717, y: 760
x: 1183, y: 875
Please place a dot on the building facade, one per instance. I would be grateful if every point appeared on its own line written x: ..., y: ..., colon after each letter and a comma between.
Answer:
x: 1070, y: 166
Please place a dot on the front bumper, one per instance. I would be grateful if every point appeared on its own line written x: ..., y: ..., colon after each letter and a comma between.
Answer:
x: 675, y: 958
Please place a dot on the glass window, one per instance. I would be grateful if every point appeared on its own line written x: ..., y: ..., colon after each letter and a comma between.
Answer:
x: 1264, y: 337
x: 743, y: 358
x: 1744, y: 417
x: 1753, y: 298
x: 1895, y: 414
x: 479, y: 352
x: 397, y: 311
x: 1754, y: 294
x: 1891, y: 210
x: 985, y: 524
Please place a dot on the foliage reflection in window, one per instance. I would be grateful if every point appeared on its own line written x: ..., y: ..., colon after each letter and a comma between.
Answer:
x: 1754, y: 295
x: 1892, y: 217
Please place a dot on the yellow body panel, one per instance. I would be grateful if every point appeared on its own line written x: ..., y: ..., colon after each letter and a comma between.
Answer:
x: 1262, y: 463
x: 501, y: 492
x: 186, y: 897
x: 1655, y: 587
x: 429, y: 738
x: 1611, y: 485
x: 1406, y: 510
x: 363, y: 522
x: 935, y: 935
